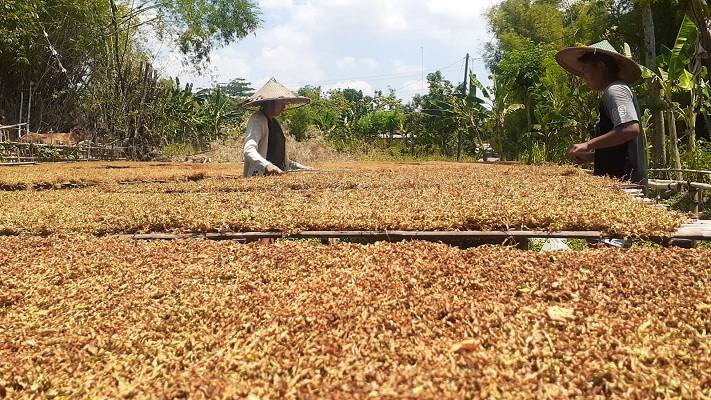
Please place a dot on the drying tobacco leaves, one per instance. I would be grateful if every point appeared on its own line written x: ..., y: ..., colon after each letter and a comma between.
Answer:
x: 71, y: 175
x: 106, y: 318
x: 379, y: 196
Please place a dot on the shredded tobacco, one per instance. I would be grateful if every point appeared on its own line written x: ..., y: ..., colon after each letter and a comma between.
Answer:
x: 83, y: 317
x: 375, y: 196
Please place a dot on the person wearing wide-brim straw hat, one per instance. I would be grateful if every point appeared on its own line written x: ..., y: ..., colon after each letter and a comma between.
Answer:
x: 618, y: 146
x: 265, y: 143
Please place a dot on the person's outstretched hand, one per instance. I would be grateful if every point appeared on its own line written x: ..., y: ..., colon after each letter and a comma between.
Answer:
x: 577, y: 150
x: 272, y: 169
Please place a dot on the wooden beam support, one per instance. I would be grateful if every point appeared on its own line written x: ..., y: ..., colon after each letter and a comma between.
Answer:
x: 700, y: 231
x: 379, y: 235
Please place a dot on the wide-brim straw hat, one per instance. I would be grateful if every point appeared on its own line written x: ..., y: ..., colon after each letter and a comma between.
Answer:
x: 569, y: 58
x: 273, y: 91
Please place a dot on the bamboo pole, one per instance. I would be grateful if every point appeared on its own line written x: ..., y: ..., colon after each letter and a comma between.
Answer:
x: 672, y: 184
x: 687, y: 171
x: 676, y: 158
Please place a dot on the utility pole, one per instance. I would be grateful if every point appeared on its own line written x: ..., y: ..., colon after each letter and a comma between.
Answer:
x: 464, y: 95
x: 466, y: 74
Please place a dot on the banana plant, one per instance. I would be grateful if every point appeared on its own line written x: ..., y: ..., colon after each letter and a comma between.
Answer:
x: 674, y: 77
x: 469, y: 114
x: 552, y: 118
x: 498, y: 99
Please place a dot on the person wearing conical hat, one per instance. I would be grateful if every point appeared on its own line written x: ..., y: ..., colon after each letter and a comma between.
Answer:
x: 265, y: 143
x: 617, y: 147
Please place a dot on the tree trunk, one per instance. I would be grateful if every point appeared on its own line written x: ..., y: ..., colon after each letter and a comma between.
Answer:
x: 691, y: 131
x: 676, y: 158
x: 529, y: 123
x: 116, y: 45
x: 459, y: 146
x: 661, y: 138
x: 696, y: 10
x: 650, y: 61
x: 500, y: 135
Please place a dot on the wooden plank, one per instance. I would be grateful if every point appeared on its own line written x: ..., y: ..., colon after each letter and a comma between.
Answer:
x: 384, y: 235
x: 688, y: 171
x: 19, y: 163
x: 676, y: 185
x: 701, y: 236
x: 13, y: 126
x: 698, y: 230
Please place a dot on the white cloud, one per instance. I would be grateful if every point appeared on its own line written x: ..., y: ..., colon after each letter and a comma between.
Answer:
x: 364, y: 86
x: 319, y: 41
x: 410, y: 88
x: 288, y: 64
x: 463, y: 10
x: 346, y: 63
x: 307, y: 16
x: 391, y: 16
x: 288, y: 35
x: 351, y: 63
x: 278, y: 4
x: 402, y: 67
x: 370, y: 63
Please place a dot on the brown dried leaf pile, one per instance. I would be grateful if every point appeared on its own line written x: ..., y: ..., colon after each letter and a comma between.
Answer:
x: 430, y: 196
x: 104, y: 318
x: 67, y: 175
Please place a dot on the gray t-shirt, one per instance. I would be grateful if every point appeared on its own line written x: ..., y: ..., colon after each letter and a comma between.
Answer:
x: 627, y: 161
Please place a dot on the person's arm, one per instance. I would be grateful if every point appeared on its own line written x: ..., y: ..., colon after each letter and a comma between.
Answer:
x: 295, y: 166
x: 583, y: 158
x: 258, y: 130
x: 617, y: 136
x: 619, y: 103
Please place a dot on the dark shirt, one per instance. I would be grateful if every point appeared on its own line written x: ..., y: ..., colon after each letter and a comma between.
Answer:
x: 627, y: 161
x: 276, y: 146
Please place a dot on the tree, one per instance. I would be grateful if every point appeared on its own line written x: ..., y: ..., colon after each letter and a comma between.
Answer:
x: 501, y: 107
x: 523, y: 69
x: 437, y: 125
x: 673, y: 78
x: 650, y: 60
x: 519, y: 23
x: 238, y: 88
x: 196, y: 27
x: 700, y: 13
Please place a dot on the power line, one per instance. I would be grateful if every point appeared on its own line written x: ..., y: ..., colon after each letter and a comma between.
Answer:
x: 407, y: 89
x: 379, y: 77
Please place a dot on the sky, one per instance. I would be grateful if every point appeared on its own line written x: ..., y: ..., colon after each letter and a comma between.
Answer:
x: 360, y: 44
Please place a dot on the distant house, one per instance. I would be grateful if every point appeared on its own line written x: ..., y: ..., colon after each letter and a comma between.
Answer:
x: 392, y: 136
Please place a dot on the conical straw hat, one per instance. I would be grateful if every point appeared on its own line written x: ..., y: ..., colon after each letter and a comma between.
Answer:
x: 274, y: 90
x: 569, y: 59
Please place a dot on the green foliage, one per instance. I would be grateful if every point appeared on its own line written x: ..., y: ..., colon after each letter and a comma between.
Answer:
x: 558, y: 109
x: 199, y: 26
x: 238, y: 89
x: 90, y: 72
x: 519, y: 23
x: 174, y: 150
x: 699, y: 158
x: 298, y: 122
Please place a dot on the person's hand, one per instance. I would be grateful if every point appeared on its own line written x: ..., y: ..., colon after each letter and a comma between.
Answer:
x: 272, y: 169
x: 577, y: 151
x: 584, y: 158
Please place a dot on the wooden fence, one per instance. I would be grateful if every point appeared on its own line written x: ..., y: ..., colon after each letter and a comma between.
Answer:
x: 15, y: 152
